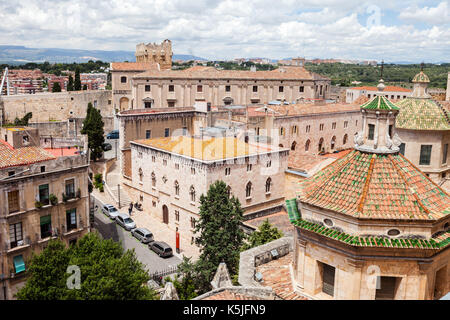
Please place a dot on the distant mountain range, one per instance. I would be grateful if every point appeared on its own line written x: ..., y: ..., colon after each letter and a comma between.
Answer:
x: 20, y: 55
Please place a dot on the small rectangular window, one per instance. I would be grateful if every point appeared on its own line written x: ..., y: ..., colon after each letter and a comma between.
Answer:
x: 166, y: 132
x: 13, y: 201
x: 255, y: 88
x: 371, y: 134
x: 301, y: 89
x: 425, y: 155
x: 280, y: 89
x: 147, y: 87
x: 171, y: 88
x: 321, y: 127
x: 148, y: 134
x: 199, y: 88
x: 227, y: 88
x: 445, y: 153
x: 402, y: 148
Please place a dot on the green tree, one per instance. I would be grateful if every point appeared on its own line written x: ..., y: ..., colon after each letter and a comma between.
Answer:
x: 24, y: 121
x: 93, y: 128
x: 77, y: 83
x: 85, y: 87
x: 107, y: 272
x: 220, y: 236
x: 56, y: 87
x: 265, y: 233
x: 70, y: 85
x: 185, y: 284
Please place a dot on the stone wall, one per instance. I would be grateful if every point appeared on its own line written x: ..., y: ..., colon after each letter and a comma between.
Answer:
x: 60, y: 106
x: 254, y: 257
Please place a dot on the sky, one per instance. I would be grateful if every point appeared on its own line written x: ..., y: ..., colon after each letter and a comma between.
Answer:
x: 226, y: 29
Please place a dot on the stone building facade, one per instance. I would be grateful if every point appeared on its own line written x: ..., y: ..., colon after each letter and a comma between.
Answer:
x: 30, y: 216
x: 55, y: 106
x: 371, y: 225
x: 168, y: 175
x: 391, y: 92
x: 423, y: 125
x: 447, y: 96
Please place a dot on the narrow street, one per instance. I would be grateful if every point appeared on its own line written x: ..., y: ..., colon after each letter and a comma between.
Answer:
x: 108, y: 229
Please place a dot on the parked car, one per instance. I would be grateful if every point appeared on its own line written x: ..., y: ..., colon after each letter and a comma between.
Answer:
x: 113, y: 135
x: 107, y: 146
x: 143, y: 235
x: 125, y: 221
x: 161, y: 248
x: 110, y: 211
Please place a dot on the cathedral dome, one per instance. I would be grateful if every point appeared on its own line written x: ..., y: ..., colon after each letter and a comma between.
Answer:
x: 421, y: 77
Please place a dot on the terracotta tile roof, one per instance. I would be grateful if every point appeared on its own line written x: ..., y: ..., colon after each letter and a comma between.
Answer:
x: 199, y: 72
x: 371, y: 186
x: 422, y: 114
x: 10, y: 157
x: 436, y: 243
x: 387, y: 89
x: 207, y: 149
x: 304, y: 109
x: 278, y: 219
x: 276, y: 274
x: 230, y: 295
x: 133, y: 66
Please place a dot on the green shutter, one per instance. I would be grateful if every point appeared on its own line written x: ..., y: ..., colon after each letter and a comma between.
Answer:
x: 292, y: 210
x: 46, y: 220
x: 19, y: 264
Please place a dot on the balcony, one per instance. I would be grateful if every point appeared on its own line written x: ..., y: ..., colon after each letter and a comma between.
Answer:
x: 15, y: 246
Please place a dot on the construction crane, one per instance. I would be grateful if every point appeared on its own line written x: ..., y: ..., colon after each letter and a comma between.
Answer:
x: 5, y: 79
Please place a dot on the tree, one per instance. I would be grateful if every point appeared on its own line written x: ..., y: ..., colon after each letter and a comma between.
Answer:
x: 24, y: 121
x: 85, y: 87
x: 184, y: 283
x: 70, y: 85
x: 77, y: 84
x: 266, y: 233
x: 56, y: 87
x: 93, y: 128
x: 107, y: 272
x: 220, y: 236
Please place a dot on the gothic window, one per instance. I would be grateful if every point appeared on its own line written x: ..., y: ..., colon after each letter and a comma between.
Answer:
x: 141, y: 175
x: 333, y: 142
x: 308, y: 142
x: 268, y: 184
x: 153, y: 179
x: 321, y: 144
x: 344, y: 141
x: 177, y: 188
x: 294, y: 144
x: 192, y: 193
x: 248, y: 190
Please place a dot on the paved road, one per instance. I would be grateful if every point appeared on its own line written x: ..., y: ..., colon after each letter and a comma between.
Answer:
x: 110, y: 230
x: 112, y: 153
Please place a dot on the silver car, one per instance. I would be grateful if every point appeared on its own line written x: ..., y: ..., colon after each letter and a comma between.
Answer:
x: 143, y: 235
x: 110, y: 211
x: 125, y: 221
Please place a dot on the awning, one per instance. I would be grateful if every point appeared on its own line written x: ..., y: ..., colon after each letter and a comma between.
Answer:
x: 46, y: 220
x: 19, y: 264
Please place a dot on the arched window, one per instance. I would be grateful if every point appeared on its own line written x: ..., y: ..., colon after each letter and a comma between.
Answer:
x: 268, y: 184
x: 321, y: 144
x: 248, y: 190
x: 333, y: 142
x: 192, y: 193
x: 344, y: 141
x: 294, y: 144
x: 141, y: 175
x: 123, y: 79
x: 308, y: 142
x: 153, y: 179
x: 177, y: 188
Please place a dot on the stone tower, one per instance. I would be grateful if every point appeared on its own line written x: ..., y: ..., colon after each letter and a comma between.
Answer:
x: 153, y: 52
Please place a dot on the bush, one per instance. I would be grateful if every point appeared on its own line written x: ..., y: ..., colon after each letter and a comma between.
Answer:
x: 53, y: 199
x: 38, y: 204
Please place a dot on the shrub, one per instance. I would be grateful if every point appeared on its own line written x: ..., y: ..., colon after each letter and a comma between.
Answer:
x: 53, y: 199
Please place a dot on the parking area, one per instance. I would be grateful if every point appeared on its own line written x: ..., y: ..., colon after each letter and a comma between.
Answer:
x: 114, y: 144
x: 109, y: 229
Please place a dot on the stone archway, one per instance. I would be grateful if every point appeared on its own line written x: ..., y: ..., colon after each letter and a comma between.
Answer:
x: 165, y: 214
x: 124, y: 101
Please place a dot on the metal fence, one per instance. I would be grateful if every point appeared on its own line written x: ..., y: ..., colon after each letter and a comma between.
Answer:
x: 159, y: 276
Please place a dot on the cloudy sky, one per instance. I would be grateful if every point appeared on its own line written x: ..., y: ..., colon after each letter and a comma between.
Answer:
x: 217, y: 29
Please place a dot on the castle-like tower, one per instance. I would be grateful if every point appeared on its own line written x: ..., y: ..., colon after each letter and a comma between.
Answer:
x: 153, y: 52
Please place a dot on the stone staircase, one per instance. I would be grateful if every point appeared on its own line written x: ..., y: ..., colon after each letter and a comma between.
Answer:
x: 124, y: 199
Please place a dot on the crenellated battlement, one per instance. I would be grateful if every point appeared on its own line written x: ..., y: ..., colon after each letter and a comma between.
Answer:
x: 153, y: 52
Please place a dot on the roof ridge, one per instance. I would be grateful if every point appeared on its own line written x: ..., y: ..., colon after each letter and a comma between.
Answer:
x: 366, y: 184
